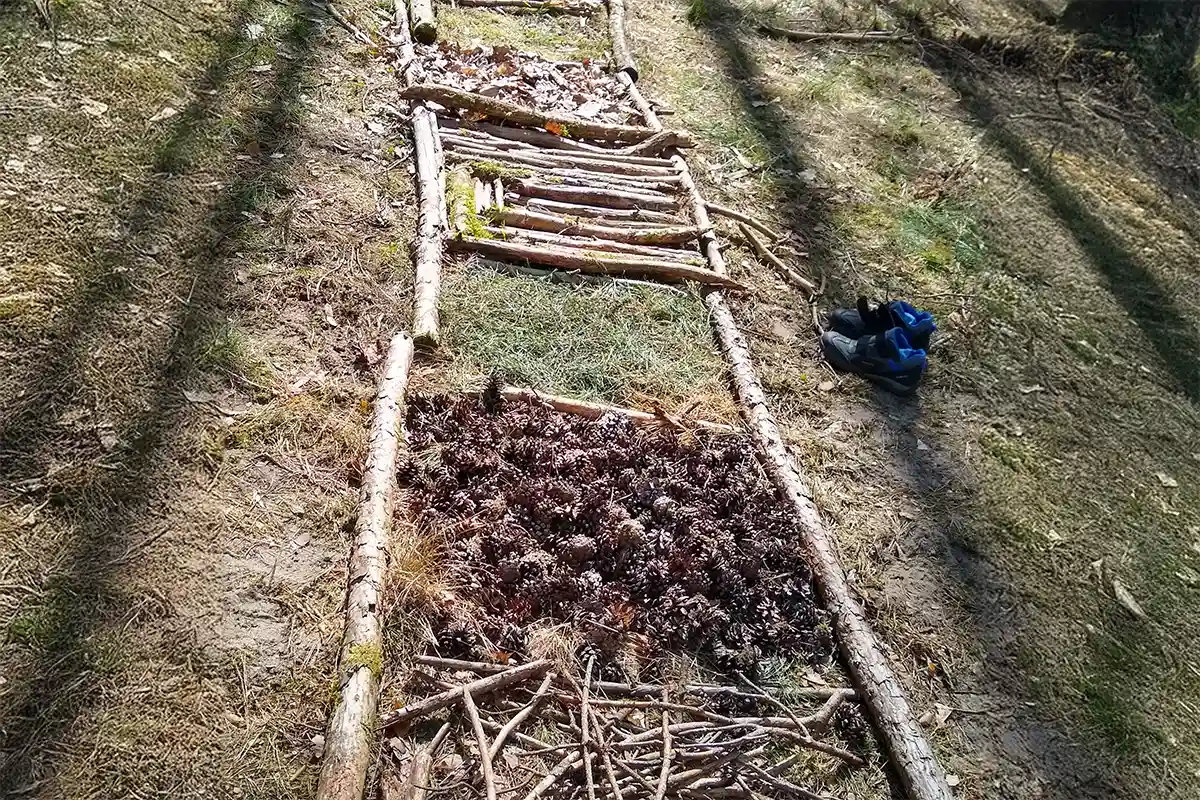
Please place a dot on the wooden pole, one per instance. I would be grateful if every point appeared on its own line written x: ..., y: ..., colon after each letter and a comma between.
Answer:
x: 424, y: 28
x: 877, y: 685
x: 350, y: 739
x: 605, y: 245
x: 610, y: 198
x: 431, y: 210
x: 589, y: 410
x: 576, y: 7
x: 594, y: 262
x: 524, y: 218
x: 486, y: 685
x: 574, y: 127
x: 616, y: 30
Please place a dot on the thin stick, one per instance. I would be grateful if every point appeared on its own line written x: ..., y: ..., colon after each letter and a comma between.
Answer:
x: 773, y: 701
x: 585, y: 719
x: 822, y: 719
x: 524, y: 218
x: 560, y: 769
x: 590, y: 410
x: 745, y: 218
x: 485, y: 760
x: 661, y: 791
x: 348, y: 740
x: 836, y: 36
x: 521, y: 715
x: 482, y: 686
x: 789, y: 274
x: 576, y: 7
x: 605, y: 756
x: 780, y: 783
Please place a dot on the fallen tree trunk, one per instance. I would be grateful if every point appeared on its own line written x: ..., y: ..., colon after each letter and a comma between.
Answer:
x: 612, y: 198
x: 594, y: 262
x: 349, y: 741
x: 877, y: 685
x: 451, y: 97
x: 606, y: 245
x: 523, y: 218
x: 575, y: 7
x: 616, y: 30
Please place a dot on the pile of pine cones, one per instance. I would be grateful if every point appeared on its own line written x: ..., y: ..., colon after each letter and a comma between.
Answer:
x: 629, y: 534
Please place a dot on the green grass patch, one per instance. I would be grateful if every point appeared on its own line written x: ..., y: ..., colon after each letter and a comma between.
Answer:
x: 227, y: 350
x: 553, y: 37
x: 610, y: 343
x: 942, y: 235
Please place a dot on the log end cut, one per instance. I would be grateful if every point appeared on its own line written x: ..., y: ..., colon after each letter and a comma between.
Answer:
x: 425, y: 32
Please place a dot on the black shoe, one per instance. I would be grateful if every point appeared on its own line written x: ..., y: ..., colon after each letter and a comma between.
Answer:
x: 917, y: 325
x: 888, y: 358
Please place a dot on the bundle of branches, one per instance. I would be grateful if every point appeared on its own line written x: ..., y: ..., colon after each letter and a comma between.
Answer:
x: 639, y: 539
x: 537, y: 730
x: 577, y: 88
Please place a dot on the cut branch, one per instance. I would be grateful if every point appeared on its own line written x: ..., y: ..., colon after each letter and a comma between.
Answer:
x: 620, y: 47
x: 836, y: 36
x: 480, y: 687
x: 575, y: 7
x: 520, y: 716
x: 746, y: 218
x: 789, y: 274
x: 348, y: 743
x: 522, y: 218
x: 593, y: 162
x: 485, y: 758
x: 424, y: 29
x: 596, y: 263
x: 451, y: 97
x: 612, y: 198
x: 605, y: 245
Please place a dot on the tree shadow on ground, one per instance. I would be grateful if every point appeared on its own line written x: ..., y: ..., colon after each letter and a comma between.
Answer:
x: 109, y: 502
x: 1052, y: 758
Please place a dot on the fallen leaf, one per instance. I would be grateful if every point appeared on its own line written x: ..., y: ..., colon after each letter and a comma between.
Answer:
x: 952, y: 780
x: 327, y: 313
x: 166, y: 56
x: 377, y: 128
x: 255, y: 31
x: 921, y: 445
x: 589, y: 110
x: 166, y: 113
x: 825, y: 386
x: 93, y: 108
x: 1166, y: 480
x: 1126, y: 599
x: 35, y: 141
x: 261, y: 68
x: 198, y: 396
x: 14, y: 165
x: 556, y: 128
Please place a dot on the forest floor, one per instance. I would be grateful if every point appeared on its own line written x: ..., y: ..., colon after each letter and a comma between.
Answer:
x: 204, y: 217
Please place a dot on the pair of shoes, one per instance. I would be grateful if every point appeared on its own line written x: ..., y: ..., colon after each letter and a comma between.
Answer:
x: 885, y: 344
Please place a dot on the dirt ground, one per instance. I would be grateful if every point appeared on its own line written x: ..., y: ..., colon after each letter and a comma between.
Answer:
x: 201, y: 241
x: 204, y: 215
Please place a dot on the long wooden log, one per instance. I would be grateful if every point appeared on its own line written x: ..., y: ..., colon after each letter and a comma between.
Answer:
x: 525, y: 137
x: 424, y: 29
x: 486, y: 685
x: 570, y: 277
x: 349, y: 741
x: 588, y: 245
x: 616, y: 30
x: 452, y: 97
x: 596, y: 263
x: 574, y: 7
x: 877, y: 685
x: 525, y: 218
x: 631, y: 216
x: 666, y: 187
x: 611, y: 198
x: 594, y: 162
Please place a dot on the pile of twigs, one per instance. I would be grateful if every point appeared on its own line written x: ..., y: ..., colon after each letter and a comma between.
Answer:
x: 534, y: 731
